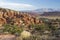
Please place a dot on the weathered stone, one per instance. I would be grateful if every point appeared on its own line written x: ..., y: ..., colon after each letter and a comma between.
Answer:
x: 18, y: 18
x: 7, y: 37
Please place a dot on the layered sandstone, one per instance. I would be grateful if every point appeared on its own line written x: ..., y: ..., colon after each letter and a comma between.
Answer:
x: 18, y: 18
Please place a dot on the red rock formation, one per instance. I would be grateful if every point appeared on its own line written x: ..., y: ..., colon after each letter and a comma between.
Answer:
x: 17, y: 18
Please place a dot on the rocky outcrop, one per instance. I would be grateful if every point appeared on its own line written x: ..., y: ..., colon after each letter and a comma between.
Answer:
x: 18, y: 18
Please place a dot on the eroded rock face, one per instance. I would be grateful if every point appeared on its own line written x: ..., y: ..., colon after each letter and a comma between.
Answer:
x: 7, y: 37
x: 8, y: 16
x: 2, y: 21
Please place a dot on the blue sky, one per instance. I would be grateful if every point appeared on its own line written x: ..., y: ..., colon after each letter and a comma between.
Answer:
x: 29, y: 4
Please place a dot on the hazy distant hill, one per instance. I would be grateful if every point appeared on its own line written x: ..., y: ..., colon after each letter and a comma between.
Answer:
x: 51, y: 14
x: 46, y: 10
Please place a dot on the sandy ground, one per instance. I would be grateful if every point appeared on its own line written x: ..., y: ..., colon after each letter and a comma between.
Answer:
x: 7, y: 37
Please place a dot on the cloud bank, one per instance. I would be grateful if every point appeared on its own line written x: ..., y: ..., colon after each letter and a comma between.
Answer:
x: 16, y: 6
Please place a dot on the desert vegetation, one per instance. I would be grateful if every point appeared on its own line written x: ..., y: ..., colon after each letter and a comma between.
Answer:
x: 23, y: 26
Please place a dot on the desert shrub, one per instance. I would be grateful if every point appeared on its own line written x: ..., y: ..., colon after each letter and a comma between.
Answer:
x: 25, y: 34
x: 33, y: 37
x: 40, y: 27
x: 13, y: 29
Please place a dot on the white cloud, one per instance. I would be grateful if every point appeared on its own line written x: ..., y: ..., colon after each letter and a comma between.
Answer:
x: 16, y: 6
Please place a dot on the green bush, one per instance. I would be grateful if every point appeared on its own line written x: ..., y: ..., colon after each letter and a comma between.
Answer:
x: 40, y: 27
x: 12, y: 29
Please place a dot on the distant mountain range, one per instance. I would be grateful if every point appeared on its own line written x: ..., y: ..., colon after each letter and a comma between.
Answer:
x: 46, y: 10
x: 49, y: 12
